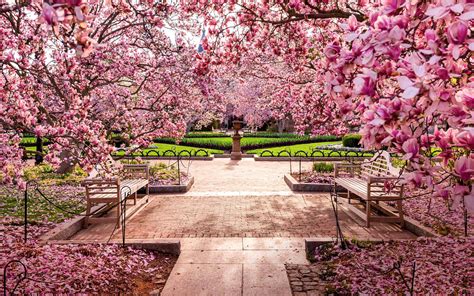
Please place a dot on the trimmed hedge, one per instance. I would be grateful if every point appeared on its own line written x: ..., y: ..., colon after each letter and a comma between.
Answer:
x: 351, y: 140
x: 247, y: 143
x: 273, y: 135
x: 204, y: 135
x: 323, y: 167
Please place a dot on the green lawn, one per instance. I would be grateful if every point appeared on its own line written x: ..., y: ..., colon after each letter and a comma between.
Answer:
x: 293, y: 149
x: 162, y: 148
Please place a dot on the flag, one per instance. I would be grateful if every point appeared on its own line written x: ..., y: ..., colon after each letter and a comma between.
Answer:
x: 200, y: 48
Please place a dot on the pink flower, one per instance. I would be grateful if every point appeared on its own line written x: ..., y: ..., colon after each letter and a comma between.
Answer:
x: 466, y: 138
x: 392, y: 5
x: 411, y: 149
x: 414, y: 178
x: 364, y: 84
x: 332, y: 51
x: 464, y: 167
x: 466, y: 96
x: 457, y: 32
x: 49, y: 14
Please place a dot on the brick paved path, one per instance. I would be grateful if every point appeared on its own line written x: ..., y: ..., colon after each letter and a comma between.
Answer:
x: 241, y: 199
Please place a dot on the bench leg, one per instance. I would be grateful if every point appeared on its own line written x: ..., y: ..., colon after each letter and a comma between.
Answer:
x: 135, y: 198
x: 400, y: 213
x: 88, y: 212
x: 368, y: 213
x: 119, y: 214
x: 147, y: 192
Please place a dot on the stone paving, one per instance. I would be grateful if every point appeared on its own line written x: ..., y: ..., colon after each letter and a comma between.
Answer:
x: 234, y: 266
x: 241, y: 199
x: 305, y: 280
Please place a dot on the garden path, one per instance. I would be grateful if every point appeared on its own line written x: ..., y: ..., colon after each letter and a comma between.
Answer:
x: 241, y: 199
x: 238, y: 225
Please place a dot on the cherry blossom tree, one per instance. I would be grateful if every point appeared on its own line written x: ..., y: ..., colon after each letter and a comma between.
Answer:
x: 128, y: 80
x: 402, y: 69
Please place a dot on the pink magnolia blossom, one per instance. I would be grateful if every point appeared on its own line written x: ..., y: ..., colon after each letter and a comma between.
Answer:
x: 464, y: 167
x: 411, y: 148
x: 457, y: 32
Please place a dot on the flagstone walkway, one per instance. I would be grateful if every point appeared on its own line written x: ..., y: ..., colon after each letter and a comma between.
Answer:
x: 234, y: 266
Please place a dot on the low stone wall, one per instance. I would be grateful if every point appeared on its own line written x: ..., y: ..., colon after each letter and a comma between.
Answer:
x: 208, y: 158
x: 173, y: 188
x: 304, y: 158
x: 226, y: 155
x: 316, y: 187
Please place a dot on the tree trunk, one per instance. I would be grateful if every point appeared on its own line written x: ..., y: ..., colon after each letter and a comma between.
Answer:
x: 281, y: 125
x: 39, y: 151
x: 66, y: 165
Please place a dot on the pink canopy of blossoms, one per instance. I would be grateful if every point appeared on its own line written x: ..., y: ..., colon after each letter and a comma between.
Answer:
x: 402, y: 70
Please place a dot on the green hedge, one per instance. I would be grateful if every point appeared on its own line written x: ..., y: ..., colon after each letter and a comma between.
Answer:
x: 351, y: 140
x: 323, y: 167
x: 247, y: 143
x: 273, y: 135
x: 204, y: 135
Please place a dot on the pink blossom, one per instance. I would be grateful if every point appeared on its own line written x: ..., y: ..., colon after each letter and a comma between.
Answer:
x: 464, y: 167
x: 49, y: 14
x: 457, y: 32
x: 466, y: 138
x: 466, y: 96
x: 411, y: 148
x: 364, y: 84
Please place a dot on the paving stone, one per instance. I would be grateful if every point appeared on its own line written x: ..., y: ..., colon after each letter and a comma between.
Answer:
x: 296, y: 283
x: 265, y: 279
x: 297, y: 288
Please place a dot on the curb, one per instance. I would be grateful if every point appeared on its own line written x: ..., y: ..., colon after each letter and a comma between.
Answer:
x: 411, y: 225
x: 172, y: 188
x: 206, y: 158
x: 304, y: 158
x: 316, y: 187
x: 171, y: 246
x: 68, y: 228
x: 228, y: 155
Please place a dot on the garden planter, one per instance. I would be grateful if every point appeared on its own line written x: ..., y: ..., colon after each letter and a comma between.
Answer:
x: 184, y: 187
x: 316, y: 187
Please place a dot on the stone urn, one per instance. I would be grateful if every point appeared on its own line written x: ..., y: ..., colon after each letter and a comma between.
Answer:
x: 236, y: 153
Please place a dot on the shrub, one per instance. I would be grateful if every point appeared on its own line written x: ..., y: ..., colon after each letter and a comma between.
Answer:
x: 45, y: 175
x: 323, y: 167
x: 351, y: 140
x: 205, y: 135
x: 162, y: 171
x: 250, y: 142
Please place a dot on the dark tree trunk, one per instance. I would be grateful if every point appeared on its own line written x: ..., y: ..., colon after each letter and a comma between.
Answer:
x: 66, y: 165
x: 39, y: 151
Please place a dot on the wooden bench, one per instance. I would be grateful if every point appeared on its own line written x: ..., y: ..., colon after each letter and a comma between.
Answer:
x: 368, y: 181
x: 113, y: 191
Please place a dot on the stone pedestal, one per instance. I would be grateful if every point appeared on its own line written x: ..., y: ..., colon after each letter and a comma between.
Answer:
x: 236, y: 154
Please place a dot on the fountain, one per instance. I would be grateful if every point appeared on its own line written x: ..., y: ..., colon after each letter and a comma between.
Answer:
x: 236, y: 153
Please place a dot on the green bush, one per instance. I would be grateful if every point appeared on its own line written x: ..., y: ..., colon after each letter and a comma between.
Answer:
x: 162, y: 171
x: 205, y: 135
x: 249, y: 142
x: 45, y: 175
x: 351, y: 140
x: 323, y: 167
